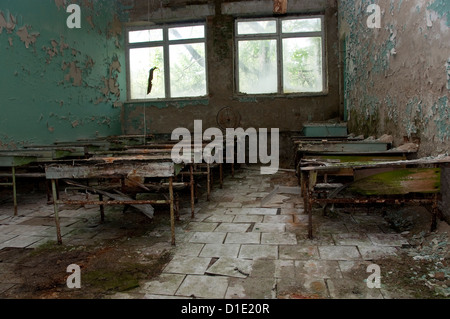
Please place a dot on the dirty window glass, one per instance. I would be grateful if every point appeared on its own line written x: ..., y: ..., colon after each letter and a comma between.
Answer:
x: 280, y: 56
x: 167, y: 62
x: 145, y: 35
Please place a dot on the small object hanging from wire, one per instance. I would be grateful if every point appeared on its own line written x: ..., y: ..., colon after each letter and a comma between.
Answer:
x: 150, y: 79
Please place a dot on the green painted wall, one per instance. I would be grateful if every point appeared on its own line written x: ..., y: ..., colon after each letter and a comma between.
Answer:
x: 56, y: 83
x: 397, y: 76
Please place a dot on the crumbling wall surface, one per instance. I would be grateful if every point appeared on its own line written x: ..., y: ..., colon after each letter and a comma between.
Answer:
x: 59, y: 83
x: 397, y: 76
x: 286, y: 113
x: 445, y: 190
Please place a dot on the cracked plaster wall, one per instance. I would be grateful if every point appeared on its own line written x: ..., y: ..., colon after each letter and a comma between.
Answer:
x: 397, y: 77
x: 56, y: 83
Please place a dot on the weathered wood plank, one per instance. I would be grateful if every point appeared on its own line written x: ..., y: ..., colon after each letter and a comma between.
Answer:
x: 144, y: 169
x: 399, y: 182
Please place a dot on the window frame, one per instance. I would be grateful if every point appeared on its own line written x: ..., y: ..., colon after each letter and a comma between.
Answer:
x: 279, y: 36
x: 165, y: 44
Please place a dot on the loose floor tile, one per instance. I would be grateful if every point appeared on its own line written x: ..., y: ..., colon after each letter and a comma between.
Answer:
x: 220, y: 250
x: 259, y: 251
x: 387, y: 239
x: 233, y: 227
x: 370, y: 252
x: 231, y: 267
x: 243, y: 238
x: 187, y: 265
x: 354, y: 239
x: 211, y: 287
x: 165, y: 284
x: 339, y: 252
x: 219, y: 218
x: 208, y: 237
x: 278, y: 219
x: 20, y: 241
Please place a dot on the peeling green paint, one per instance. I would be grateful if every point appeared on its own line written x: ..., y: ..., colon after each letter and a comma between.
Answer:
x: 52, y: 90
x: 442, y: 8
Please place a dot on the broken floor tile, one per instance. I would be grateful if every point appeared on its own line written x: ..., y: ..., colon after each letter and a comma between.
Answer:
x: 259, y: 252
x: 284, y: 269
x: 382, y: 239
x: 211, y: 287
x: 247, y: 218
x: 233, y: 227
x: 208, y: 237
x: 278, y: 219
x: 231, y: 267
x: 371, y: 252
x: 20, y: 241
x: 354, y: 239
x: 219, y: 218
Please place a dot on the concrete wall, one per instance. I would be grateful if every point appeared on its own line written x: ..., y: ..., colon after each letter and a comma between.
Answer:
x: 287, y: 114
x: 397, y: 77
x: 56, y: 83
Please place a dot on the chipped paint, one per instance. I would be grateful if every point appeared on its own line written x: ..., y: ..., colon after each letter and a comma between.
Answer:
x: 397, y: 78
x: 53, y: 82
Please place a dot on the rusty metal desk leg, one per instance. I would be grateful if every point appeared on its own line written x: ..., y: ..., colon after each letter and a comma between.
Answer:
x: 102, y: 208
x: 55, y: 207
x: 172, y: 217
x: 221, y: 174
x: 307, y: 201
x: 14, y: 189
x: 208, y: 181
x: 191, y: 169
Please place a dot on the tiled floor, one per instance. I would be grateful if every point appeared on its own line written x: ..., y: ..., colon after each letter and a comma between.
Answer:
x: 234, y: 248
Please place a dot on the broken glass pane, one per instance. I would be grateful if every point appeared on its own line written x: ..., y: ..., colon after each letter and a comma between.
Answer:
x: 141, y: 61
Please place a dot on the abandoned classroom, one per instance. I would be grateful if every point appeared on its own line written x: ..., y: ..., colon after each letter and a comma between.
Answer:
x: 272, y: 149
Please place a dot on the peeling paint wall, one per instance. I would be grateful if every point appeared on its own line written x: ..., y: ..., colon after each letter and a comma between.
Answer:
x: 397, y: 76
x: 56, y: 83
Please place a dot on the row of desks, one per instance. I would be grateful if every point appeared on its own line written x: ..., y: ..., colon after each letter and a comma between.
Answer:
x: 108, y: 160
x: 370, y: 171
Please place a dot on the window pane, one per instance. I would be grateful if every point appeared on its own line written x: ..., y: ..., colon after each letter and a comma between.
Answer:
x: 141, y: 61
x: 302, y: 65
x: 145, y: 35
x: 301, y: 25
x: 257, y: 27
x: 187, y: 70
x: 258, y: 66
x: 191, y: 32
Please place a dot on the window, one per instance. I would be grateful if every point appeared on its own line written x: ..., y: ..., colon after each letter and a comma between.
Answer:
x: 171, y: 58
x: 280, y: 55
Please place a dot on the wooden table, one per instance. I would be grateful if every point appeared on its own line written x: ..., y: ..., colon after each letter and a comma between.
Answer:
x: 389, y: 182
x: 110, y: 168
